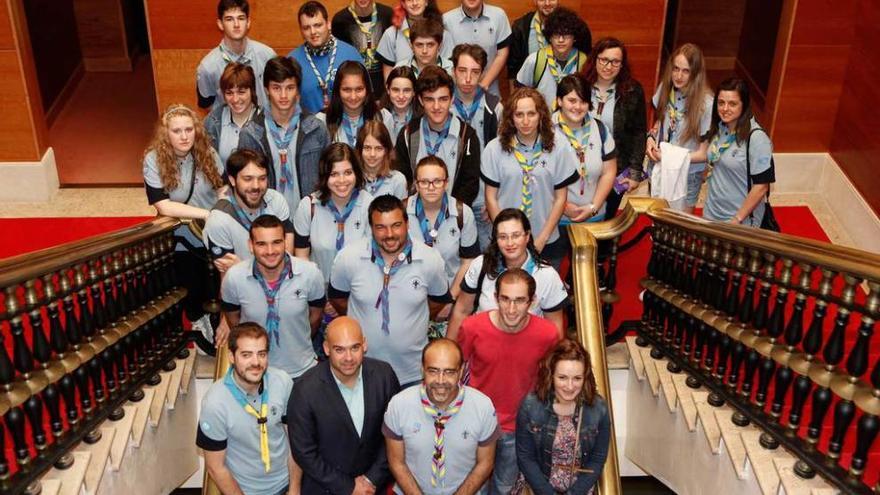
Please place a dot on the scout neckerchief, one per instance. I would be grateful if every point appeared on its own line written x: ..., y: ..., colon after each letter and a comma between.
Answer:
x: 323, y: 80
x: 526, y: 157
x: 374, y: 185
x: 579, y: 138
x: 438, y: 460
x: 539, y: 31
x: 720, y: 143
x: 341, y: 218
x: 675, y: 115
x: 529, y: 266
x: 388, y: 272
x: 567, y: 68
x: 369, y: 51
x: 398, y: 122
x: 243, y: 218
x: 430, y: 234
x: 229, y: 56
x: 262, y: 416
x: 270, y: 290
x: 602, y: 97
x: 282, y: 142
x: 351, y: 127
x: 405, y: 30
x: 433, y: 147
x: 467, y: 113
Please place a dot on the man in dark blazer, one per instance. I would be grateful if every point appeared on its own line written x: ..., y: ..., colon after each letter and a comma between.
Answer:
x: 335, y: 417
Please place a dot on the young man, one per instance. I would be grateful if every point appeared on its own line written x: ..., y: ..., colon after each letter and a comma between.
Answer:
x: 440, y: 133
x: 528, y: 36
x: 320, y: 56
x: 503, y: 347
x: 477, y: 23
x: 384, y: 282
x: 544, y: 69
x: 233, y: 20
x: 227, y: 230
x: 284, y: 293
x: 335, y: 416
x: 241, y: 425
x: 441, y: 435
x: 290, y: 139
x: 426, y: 36
x: 361, y: 25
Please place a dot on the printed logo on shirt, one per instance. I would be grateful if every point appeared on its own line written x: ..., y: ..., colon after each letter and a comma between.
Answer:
x: 453, y: 231
x: 217, y: 250
x: 206, y: 426
x: 416, y: 283
x: 299, y: 293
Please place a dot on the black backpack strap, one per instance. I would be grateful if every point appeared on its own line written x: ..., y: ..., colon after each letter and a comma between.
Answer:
x: 413, y: 140
x: 480, y: 280
x: 490, y: 118
x: 460, y: 219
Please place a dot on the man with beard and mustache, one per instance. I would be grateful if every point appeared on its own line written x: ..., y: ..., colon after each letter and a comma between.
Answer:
x: 441, y: 436
x: 241, y: 424
x: 503, y: 348
x: 384, y: 281
x: 336, y: 413
x: 227, y: 229
x: 283, y: 293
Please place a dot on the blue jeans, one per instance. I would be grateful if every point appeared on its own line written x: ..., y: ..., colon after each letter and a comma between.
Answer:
x: 694, y: 184
x: 504, y: 476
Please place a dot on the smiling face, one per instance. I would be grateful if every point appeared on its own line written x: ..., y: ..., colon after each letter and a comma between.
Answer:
x: 467, y: 74
x: 546, y: 7
x: 401, y: 92
x: 442, y: 373
x: 239, y: 100
x: 730, y: 107
x: 436, y: 104
x: 234, y: 24
x: 267, y: 244
x: 389, y: 230
x: 250, y: 359
x: 181, y: 134
x: 250, y: 185
x: 608, y: 64
x: 568, y: 379
x: 573, y: 107
x: 353, y: 93
x: 681, y: 72
x: 315, y: 30
x: 373, y: 154
x: 512, y: 241
x: 341, y: 181
x: 513, y: 304
x: 415, y: 8
x: 526, y: 118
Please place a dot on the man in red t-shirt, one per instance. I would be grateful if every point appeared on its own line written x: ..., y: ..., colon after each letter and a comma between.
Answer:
x: 503, y: 347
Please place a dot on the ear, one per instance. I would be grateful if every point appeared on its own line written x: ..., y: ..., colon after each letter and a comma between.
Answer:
x: 220, y: 25
x: 366, y: 347
x: 250, y: 245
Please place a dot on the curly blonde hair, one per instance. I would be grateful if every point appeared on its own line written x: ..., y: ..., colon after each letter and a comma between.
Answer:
x: 202, y: 152
x: 507, y: 129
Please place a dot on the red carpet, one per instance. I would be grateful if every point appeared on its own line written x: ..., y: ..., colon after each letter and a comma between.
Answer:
x: 23, y: 235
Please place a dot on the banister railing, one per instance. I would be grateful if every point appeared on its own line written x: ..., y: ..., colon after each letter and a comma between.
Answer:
x: 83, y: 327
x: 778, y: 327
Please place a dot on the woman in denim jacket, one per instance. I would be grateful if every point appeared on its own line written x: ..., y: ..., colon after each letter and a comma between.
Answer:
x: 551, y: 456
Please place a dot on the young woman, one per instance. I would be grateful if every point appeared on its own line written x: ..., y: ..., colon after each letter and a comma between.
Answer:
x: 395, y: 45
x: 399, y: 104
x: 683, y: 102
x: 226, y: 122
x: 562, y: 428
x: 183, y: 175
x: 351, y: 104
x: 376, y: 152
x: 595, y: 150
x: 529, y: 166
x: 336, y: 214
x: 618, y: 101
x: 511, y: 247
x: 741, y: 157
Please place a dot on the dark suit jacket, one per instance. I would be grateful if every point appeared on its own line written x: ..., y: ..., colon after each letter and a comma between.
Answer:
x: 323, y: 438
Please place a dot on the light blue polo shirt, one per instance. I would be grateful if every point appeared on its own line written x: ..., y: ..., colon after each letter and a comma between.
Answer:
x: 311, y: 96
x: 550, y: 293
x: 478, y: 118
x: 452, y: 243
x: 224, y: 233
x: 546, y: 84
x: 395, y: 45
x: 443, y: 63
x: 681, y: 126
x: 315, y: 227
x: 448, y: 151
x: 394, y: 184
x: 424, y: 276
x: 474, y: 425
x: 301, y: 290
x: 490, y: 30
x: 555, y: 170
x: 581, y: 191
x: 211, y: 68
x: 392, y: 123
x: 224, y: 424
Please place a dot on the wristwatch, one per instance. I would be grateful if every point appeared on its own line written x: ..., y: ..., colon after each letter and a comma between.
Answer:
x: 593, y: 210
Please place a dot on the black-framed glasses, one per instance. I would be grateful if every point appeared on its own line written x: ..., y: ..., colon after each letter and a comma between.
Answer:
x: 435, y: 183
x: 613, y: 62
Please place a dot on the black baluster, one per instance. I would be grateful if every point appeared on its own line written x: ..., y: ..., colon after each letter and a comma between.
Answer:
x: 732, y: 306
x: 68, y: 392
x: 57, y: 337
x: 71, y: 322
x: 33, y: 408
x: 97, y: 383
x: 99, y: 307
x: 722, y: 274
x: 869, y: 424
x: 747, y: 310
x: 86, y: 315
x: 53, y: 404
x: 856, y: 365
x: 762, y: 311
x: 4, y: 462
x: 21, y: 353
x: 108, y: 361
x: 82, y: 384
x: 7, y: 370
x: 111, y: 301
x: 39, y: 344
x: 131, y: 280
x: 15, y: 423
x: 140, y: 273
x: 120, y: 354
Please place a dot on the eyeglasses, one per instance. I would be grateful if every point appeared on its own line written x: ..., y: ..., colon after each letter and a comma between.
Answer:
x: 510, y: 237
x: 613, y: 62
x: 516, y: 301
x: 427, y: 183
x: 446, y: 373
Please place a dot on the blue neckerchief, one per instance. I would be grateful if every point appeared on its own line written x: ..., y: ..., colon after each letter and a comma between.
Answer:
x: 430, y: 234
x: 722, y: 140
x: 341, y: 218
x: 432, y: 149
x: 273, y: 318
x: 467, y: 113
x: 388, y: 272
x: 375, y: 185
x: 282, y: 142
x: 242, y: 215
x: 398, y: 124
x: 529, y: 266
x: 351, y: 127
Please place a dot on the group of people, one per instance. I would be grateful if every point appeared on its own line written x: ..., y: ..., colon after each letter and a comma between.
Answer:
x: 372, y: 189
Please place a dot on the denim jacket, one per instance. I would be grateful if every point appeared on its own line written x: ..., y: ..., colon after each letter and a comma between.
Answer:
x: 535, y: 431
x: 311, y: 140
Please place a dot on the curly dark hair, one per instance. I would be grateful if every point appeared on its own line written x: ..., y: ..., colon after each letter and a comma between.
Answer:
x: 565, y: 350
x: 624, y: 78
x: 507, y: 129
x: 335, y: 111
x: 493, y: 259
x: 333, y: 154
x: 564, y: 21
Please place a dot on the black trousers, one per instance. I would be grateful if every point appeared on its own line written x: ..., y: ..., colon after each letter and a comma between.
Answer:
x: 193, y: 273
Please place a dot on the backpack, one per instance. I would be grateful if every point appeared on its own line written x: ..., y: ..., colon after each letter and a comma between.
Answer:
x: 541, y: 65
x: 490, y: 118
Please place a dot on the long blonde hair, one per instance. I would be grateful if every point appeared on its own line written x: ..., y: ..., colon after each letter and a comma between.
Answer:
x: 202, y: 153
x: 695, y: 92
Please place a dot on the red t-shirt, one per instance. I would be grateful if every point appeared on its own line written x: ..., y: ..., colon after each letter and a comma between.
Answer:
x: 504, y: 365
